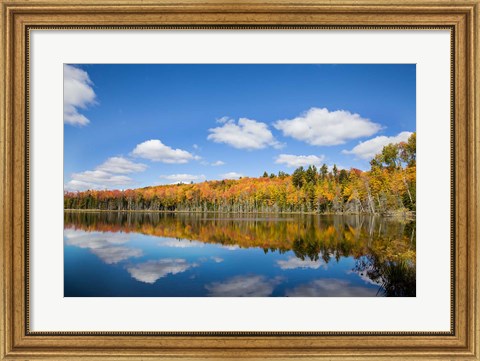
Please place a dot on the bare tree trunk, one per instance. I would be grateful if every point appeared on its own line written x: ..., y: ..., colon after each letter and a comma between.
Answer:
x: 369, y: 195
x: 406, y: 186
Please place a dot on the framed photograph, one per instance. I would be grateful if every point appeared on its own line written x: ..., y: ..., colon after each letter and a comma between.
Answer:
x: 253, y: 180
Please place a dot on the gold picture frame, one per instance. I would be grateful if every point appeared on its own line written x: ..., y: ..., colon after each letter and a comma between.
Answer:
x: 20, y: 16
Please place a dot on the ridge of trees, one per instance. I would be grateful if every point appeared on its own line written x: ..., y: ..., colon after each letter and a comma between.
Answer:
x: 387, y: 188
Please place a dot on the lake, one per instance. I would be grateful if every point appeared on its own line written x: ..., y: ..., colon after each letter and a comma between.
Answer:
x: 126, y: 254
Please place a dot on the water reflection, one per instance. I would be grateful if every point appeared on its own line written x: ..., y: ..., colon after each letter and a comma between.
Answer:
x: 243, y: 286
x: 330, y: 288
x: 397, y: 278
x: 151, y: 271
x: 107, y: 246
x: 273, y: 255
x: 293, y: 263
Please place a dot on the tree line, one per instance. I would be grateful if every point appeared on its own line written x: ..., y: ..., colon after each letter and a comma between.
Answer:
x: 387, y: 188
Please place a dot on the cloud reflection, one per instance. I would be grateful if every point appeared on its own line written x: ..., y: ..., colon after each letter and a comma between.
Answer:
x: 231, y: 247
x: 112, y: 255
x: 243, y: 286
x: 106, y: 246
x: 151, y: 271
x: 294, y: 263
x: 330, y: 287
x: 180, y: 243
x: 364, y: 276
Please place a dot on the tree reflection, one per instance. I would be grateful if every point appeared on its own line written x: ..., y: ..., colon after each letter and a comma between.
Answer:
x: 396, y: 278
x: 383, y: 248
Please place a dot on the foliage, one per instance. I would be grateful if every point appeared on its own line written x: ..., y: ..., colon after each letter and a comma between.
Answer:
x: 387, y: 188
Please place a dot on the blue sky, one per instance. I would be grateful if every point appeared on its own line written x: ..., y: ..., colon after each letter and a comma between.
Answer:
x: 132, y: 125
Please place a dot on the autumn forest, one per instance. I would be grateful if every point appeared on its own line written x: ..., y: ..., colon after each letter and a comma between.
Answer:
x: 387, y: 188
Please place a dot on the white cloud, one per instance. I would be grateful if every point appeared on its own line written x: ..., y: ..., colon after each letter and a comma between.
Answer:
x: 75, y: 185
x: 231, y: 175
x: 295, y: 263
x: 121, y: 165
x: 243, y: 286
x: 96, y: 180
x: 151, y: 271
x: 217, y: 163
x: 77, y: 94
x: 330, y: 287
x: 369, y: 148
x: 156, y: 151
x: 246, y: 134
x: 109, y: 247
x: 223, y: 120
x: 100, y: 179
x: 107, y: 175
x: 184, y: 178
x: 299, y: 160
x: 217, y: 259
x: 213, y: 164
x: 319, y: 126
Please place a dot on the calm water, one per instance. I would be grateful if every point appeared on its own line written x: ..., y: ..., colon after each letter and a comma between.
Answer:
x: 222, y: 255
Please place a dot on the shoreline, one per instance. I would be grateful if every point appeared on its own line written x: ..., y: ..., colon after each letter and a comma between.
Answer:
x: 403, y: 215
